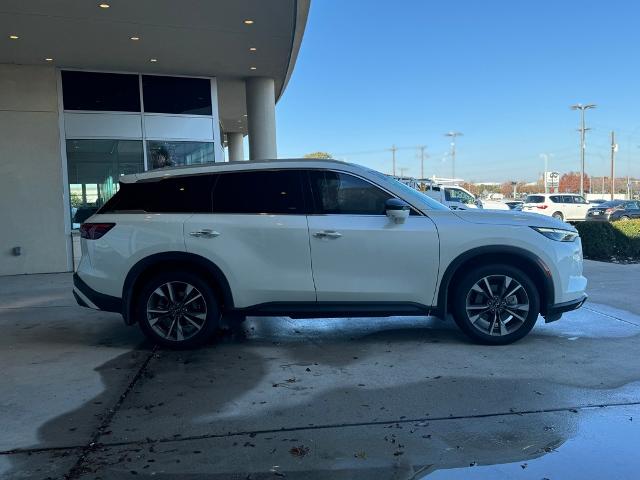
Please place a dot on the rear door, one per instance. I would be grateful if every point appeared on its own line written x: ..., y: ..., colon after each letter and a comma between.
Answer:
x: 580, y: 207
x: 257, y: 234
x: 359, y: 254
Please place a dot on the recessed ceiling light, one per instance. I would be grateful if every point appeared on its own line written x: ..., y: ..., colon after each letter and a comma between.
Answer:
x: 134, y: 38
x: 248, y: 22
x: 253, y: 49
x: 153, y: 60
x: 14, y: 37
x: 104, y: 5
x: 252, y: 68
x: 48, y: 59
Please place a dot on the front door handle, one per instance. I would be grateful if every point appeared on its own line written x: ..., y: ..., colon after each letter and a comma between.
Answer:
x: 327, y: 234
x: 205, y: 233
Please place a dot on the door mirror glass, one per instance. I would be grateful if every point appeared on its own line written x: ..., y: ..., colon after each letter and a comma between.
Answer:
x: 397, y: 210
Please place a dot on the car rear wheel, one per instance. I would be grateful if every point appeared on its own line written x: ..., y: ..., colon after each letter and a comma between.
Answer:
x: 558, y: 216
x: 624, y: 218
x: 178, y: 310
x: 496, y: 304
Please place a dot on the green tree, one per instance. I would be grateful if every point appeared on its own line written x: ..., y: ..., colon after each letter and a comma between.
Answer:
x: 325, y: 155
x: 76, y: 200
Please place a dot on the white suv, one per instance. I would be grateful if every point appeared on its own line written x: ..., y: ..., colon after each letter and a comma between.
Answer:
x: 563, y: 206
x: 176, y: 249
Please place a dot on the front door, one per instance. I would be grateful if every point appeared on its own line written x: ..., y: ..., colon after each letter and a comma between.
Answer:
x: 359, y: 254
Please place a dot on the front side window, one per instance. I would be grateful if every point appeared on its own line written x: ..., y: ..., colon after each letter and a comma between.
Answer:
x: 456, y: 195
x: 341, y: 193
x: 266, y: 192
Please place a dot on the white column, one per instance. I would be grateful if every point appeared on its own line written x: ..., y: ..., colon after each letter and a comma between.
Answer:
x: 236, y: 148
x: 261, y: 112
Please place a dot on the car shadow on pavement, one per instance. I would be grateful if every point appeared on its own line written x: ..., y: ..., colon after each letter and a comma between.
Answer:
x: 204, y: 407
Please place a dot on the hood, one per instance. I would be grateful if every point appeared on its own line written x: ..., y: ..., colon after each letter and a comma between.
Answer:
x: 511, y: 217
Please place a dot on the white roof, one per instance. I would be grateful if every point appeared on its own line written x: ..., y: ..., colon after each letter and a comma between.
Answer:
x: 240, y: 166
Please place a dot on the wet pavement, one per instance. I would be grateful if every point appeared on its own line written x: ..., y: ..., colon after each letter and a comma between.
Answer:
x: 83, y: 396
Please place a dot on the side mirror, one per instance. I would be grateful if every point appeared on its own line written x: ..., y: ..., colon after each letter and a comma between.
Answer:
x: 397, y: 210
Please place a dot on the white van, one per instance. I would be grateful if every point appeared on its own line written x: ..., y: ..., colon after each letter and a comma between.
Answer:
x: 458, y: 198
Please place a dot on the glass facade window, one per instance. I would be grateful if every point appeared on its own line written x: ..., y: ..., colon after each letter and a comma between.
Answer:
x: 103, y: 92
x: 161, y: 153
x: 176, y: 95
x: 94, y: 168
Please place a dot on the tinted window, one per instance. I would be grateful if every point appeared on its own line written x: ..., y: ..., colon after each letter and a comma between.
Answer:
x: 276, y: 192
x: 176, y: 95
x: 556, y: 199
x: 100, y: 91
x: 632, y: 206
x: 534, y: 199
x: 345, y: 194
x: 190, y: 194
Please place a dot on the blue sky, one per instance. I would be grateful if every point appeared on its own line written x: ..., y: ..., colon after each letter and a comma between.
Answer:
x: 375, y: 73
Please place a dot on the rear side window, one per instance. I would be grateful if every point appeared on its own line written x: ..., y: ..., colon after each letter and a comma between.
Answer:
x: 190, y: 194
x: 341, y: 193
x: 556, y: 199
x: 534, y: 199
x: 275, y: 192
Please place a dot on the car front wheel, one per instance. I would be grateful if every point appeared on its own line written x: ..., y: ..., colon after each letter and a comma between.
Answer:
x: 496, y: 304
x: 177, y: 310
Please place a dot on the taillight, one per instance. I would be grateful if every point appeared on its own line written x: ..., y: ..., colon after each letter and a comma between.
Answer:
x: 94, y: 231
x: 541, y: 207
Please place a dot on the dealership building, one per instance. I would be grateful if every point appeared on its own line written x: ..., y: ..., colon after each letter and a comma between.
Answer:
x: 92, y: 90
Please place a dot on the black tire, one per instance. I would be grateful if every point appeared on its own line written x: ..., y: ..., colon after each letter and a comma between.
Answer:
x: 558, y: 216
x: 462, y: 292
x: 204, y: 306
x: 624, y: 218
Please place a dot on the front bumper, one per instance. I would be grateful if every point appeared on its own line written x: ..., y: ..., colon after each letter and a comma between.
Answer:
x: 554, y: 312
x: 88, y: 297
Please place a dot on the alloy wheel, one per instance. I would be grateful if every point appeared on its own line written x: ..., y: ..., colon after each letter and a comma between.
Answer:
x: 497, y: 305
x: 176, y: 311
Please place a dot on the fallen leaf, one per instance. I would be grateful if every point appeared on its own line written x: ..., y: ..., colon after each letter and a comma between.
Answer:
x: 299, y: 451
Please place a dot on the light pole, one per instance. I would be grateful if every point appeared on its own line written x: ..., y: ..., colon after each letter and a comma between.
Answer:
x: 582, y: 131
x: 453, y: 136
x: 545, y: 156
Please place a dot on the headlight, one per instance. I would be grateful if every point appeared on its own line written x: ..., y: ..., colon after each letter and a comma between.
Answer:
x: 557, y: 234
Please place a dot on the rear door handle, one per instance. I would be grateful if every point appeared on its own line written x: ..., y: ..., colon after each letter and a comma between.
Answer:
x: 327, y: 234
x: 205, y: 233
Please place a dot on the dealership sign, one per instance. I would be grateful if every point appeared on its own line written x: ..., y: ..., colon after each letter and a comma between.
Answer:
x: 552, y: 179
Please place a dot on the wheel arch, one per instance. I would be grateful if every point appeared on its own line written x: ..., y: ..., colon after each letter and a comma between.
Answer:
x: 159, y: 262
x: 528, y: 262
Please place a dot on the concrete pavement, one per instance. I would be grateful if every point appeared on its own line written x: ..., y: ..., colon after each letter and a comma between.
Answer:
x: 86, y: 397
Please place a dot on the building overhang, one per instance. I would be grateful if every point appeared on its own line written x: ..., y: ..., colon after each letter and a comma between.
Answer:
x: 187, y: 37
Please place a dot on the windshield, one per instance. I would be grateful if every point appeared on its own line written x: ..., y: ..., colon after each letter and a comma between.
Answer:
x: 411, y: 194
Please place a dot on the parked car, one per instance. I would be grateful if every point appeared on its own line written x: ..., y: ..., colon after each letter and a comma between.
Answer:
x: 175, y: 249
x: 562, y: 206
x: 615, y: 210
